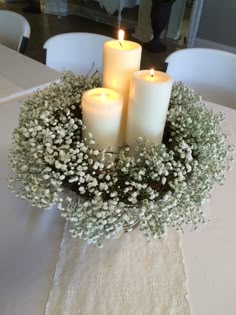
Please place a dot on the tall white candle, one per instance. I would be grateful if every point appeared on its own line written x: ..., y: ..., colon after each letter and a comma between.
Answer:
x: 121, y: 58
x: 148, y: 105
x: 102, y: 110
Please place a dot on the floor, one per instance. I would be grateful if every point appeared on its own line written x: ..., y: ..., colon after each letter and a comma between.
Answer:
x: 44, y: 26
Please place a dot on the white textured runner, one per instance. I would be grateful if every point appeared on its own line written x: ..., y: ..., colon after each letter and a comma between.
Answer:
x: 129, y: 276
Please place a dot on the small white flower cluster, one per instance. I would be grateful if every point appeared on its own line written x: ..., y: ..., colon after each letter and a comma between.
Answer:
x: 161, y: 186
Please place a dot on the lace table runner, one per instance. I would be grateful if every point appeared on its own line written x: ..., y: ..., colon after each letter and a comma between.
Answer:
x: 129, y: 276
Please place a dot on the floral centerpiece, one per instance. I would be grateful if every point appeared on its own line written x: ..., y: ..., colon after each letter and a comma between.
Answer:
x: 100, y: 193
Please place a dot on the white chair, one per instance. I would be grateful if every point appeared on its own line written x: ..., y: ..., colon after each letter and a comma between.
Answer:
x: 210, y: 72
x: 81, y: 53
x: 14, y: 30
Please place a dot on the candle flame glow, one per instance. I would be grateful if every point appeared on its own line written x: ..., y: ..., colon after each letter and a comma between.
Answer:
x: 152, y: 72
x: 103, y: 96
x: 121, y: 36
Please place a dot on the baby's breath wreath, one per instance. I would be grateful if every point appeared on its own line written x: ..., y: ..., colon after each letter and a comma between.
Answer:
x: 160, y: 186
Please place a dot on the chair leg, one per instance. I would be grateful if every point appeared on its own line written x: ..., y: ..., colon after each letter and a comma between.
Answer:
x: 32, y: 7
x: 23, y: 45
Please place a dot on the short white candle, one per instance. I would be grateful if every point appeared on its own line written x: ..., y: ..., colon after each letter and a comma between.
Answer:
x: 102, y: 110
x: 148, y: 106
x: 121, y: 58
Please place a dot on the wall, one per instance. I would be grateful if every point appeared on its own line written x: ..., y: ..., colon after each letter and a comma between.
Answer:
x: 218, y: 22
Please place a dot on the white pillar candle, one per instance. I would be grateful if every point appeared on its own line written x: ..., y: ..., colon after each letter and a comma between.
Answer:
x: 121, y: 58
x: 148, y: 105
x: 102, y: 110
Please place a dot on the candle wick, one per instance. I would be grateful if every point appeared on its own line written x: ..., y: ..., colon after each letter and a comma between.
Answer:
x: 152, y: 75
x: 120, y: 44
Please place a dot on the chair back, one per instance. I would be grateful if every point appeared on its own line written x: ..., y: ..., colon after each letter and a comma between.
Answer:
x: 210, y: 72
x: 14, y: 30
x: 81, y: 53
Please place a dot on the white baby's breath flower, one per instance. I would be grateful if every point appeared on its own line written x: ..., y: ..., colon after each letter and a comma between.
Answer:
x: 161, y: 186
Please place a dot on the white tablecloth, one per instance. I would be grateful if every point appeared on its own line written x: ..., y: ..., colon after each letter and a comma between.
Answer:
x: 20, y: 75
x: 210, y: 254
x: 29, y: 238
x: 8, y: 88
x: 112, y: 5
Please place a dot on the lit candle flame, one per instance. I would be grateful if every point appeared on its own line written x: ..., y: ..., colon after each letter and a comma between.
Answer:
x: 103, y: 96
x: 121, y: 36
x: 152, y: 72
